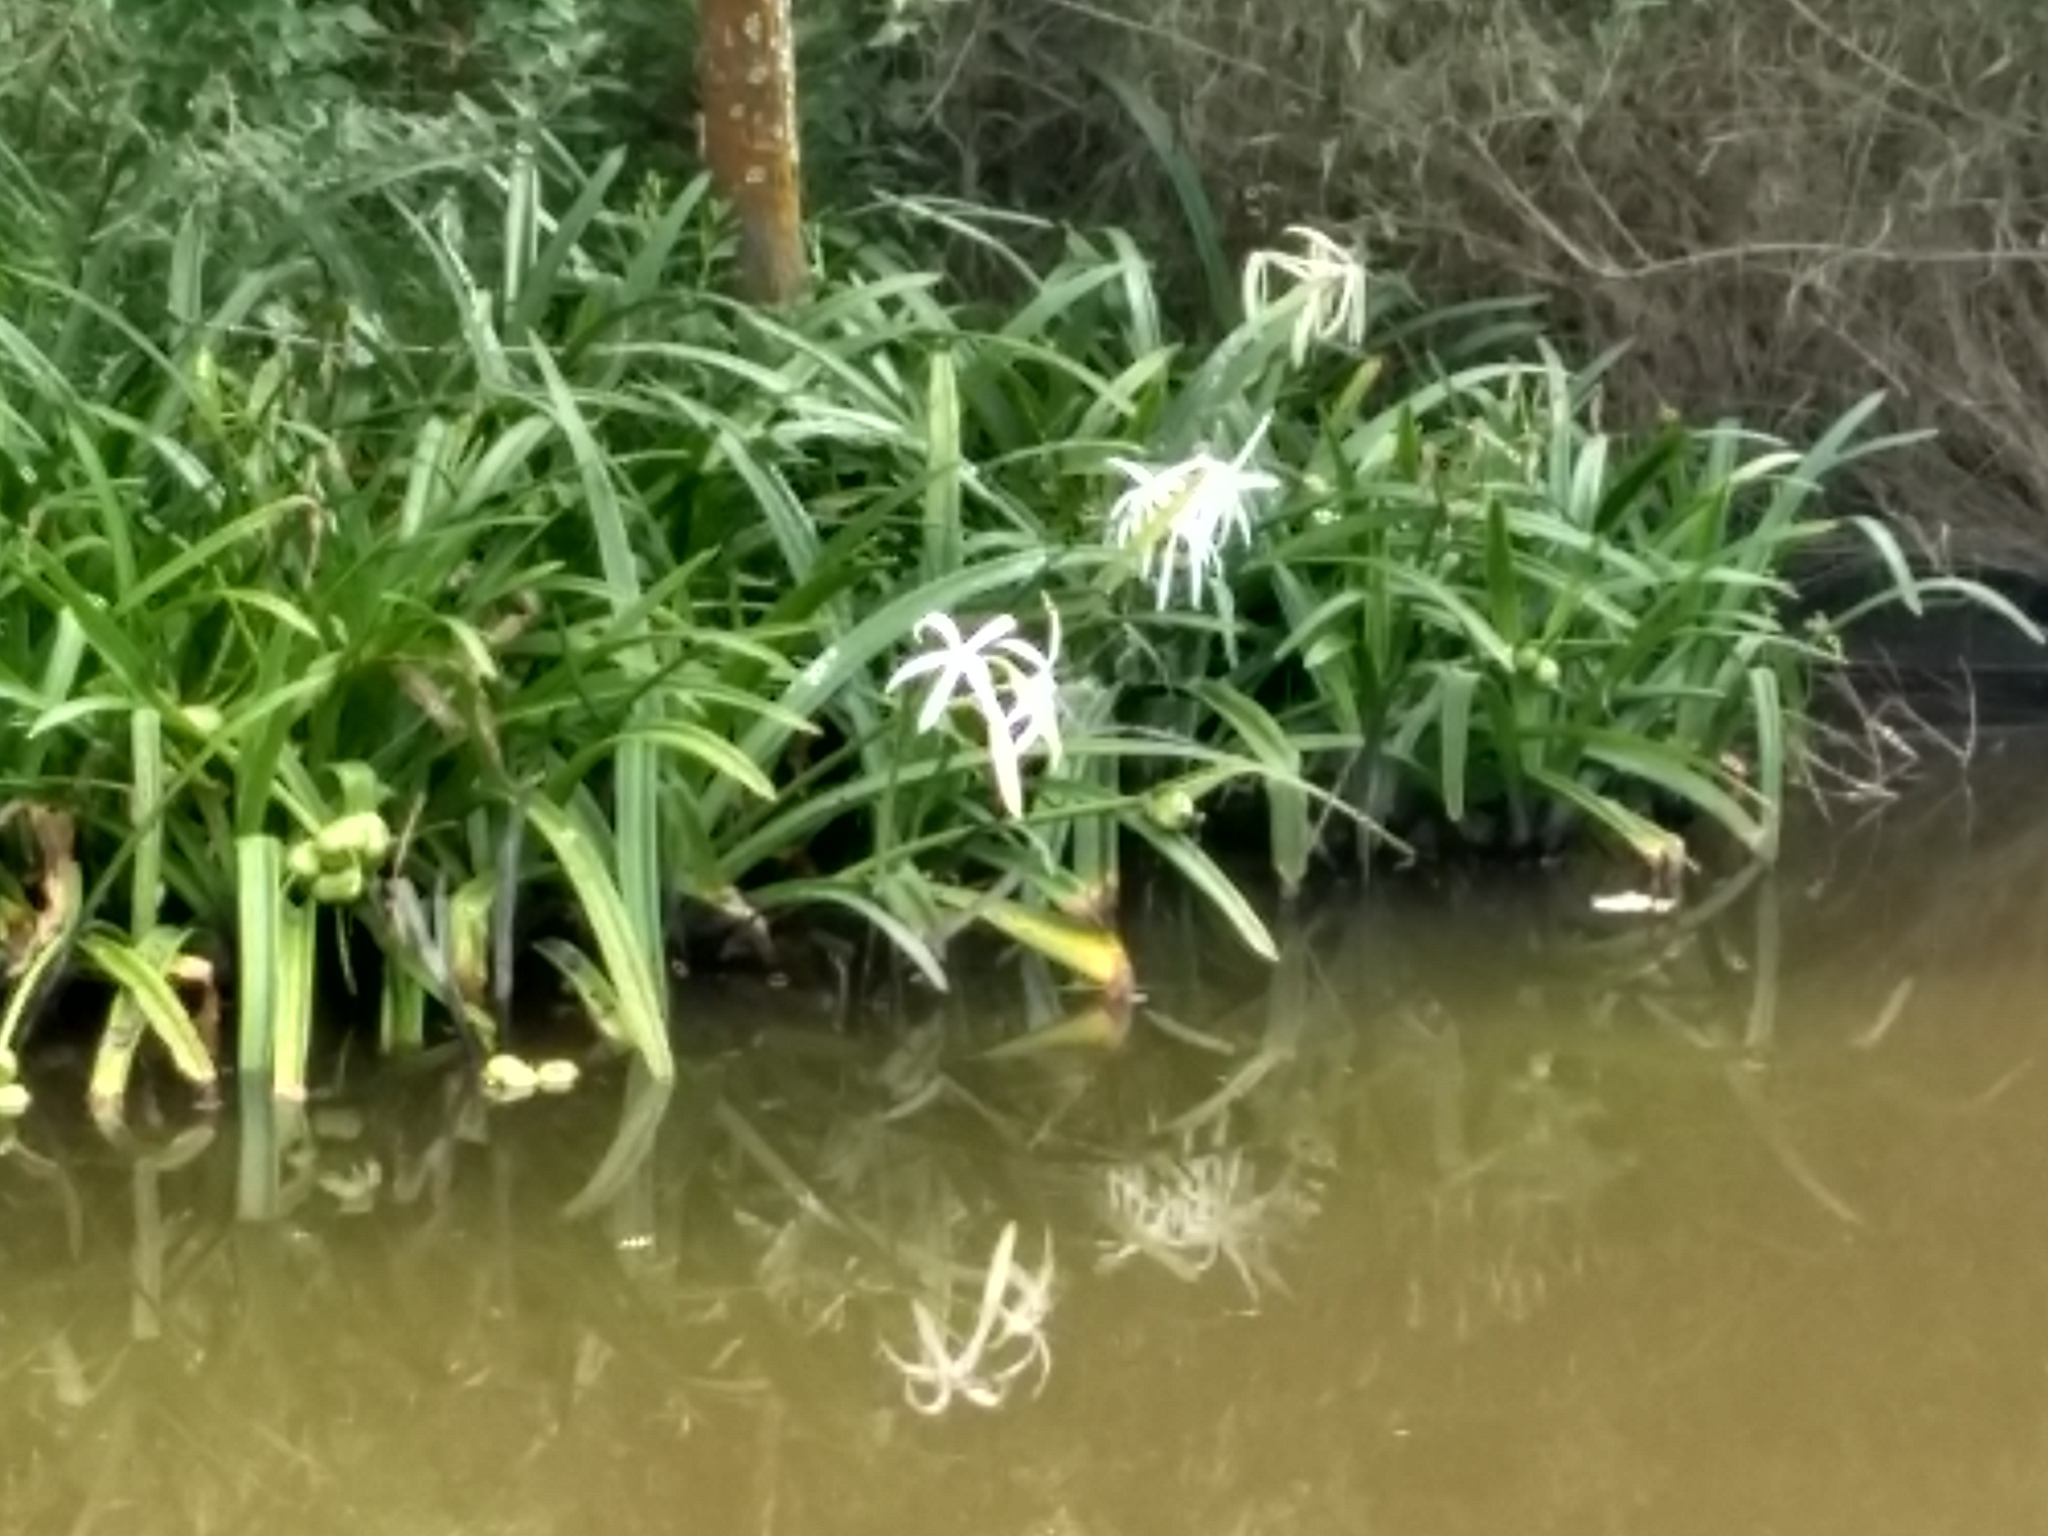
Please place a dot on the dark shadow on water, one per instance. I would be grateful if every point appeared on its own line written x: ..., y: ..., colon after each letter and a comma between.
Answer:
x: 1506, y: 1215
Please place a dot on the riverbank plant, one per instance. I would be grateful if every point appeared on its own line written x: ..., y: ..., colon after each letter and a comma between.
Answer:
x: 442, y: 562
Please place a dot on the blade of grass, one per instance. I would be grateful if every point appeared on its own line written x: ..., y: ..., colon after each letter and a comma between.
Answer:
x: 631, y: 967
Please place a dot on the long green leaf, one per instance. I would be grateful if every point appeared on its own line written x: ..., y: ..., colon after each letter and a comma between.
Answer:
x: 1209, y: 882
x: 630, y: 966
x: 137, y: 969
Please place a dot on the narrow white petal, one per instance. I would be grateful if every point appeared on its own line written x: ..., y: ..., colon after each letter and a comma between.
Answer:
x: 1016, y: 650
x: 940, y: 699
x: 942, y: 625
x: 1052, y: 627
x: 995, y: 629
x: 1002, y: 762
x: 916, y: 667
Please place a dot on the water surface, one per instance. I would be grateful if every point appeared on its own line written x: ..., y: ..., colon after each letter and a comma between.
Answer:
x: 1484, y: 1212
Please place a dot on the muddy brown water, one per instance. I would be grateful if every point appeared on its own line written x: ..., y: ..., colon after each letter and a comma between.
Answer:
x: 1481, y: 1212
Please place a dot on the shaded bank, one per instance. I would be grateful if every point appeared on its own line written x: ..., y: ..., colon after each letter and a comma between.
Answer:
x: 1775, y: 206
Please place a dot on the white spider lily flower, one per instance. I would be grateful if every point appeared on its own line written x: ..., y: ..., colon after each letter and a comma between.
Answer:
x: 1330, y: 279
x: 1181, y: 516
x: 1015, y: 1303
x: 1009, y: 682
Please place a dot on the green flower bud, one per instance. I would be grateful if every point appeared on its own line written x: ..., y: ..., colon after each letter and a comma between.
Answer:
x: 340, y: 887
x: 1173, y: 809
x: 361, y: 839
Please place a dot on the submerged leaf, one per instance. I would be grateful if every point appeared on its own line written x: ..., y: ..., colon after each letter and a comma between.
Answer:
x: 1100, y: 1026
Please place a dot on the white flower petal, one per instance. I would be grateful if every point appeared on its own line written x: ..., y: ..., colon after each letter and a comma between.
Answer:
x: 916, y: 667
x: 989, y: 634
x: 942, y: 624
x: 1009, y: 682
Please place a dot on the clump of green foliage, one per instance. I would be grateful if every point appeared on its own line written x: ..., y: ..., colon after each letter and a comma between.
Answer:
x: 395, y: 556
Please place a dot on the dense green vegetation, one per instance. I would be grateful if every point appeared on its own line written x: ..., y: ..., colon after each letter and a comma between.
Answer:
x: 407, y: 544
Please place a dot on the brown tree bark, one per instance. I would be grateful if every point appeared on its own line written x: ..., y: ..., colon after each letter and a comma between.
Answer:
x: 747, y: 93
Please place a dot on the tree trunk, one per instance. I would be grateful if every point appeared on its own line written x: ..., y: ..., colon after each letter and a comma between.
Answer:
x: 747, y: 93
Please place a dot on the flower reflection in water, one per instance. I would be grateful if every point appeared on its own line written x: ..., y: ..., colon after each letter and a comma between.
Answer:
x: 1007, y: 1339
x: 1185, y: 1214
